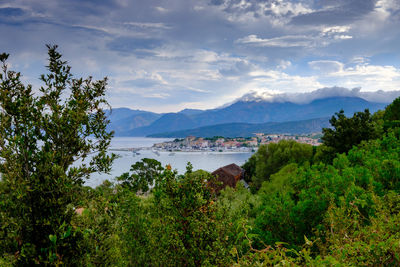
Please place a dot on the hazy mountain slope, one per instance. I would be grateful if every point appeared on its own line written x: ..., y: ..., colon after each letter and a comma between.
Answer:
x: 127, y: 122
x: 122, y: 113
x: 191, y: 112
x: 255, y: 112
x: 168, y: 122
x: 248, y: 129
x: 123, y: 120
x: 123, y: 126
x: 262, y: 111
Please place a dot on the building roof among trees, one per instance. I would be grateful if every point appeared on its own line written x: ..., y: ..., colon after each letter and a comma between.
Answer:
x: 229, y: 175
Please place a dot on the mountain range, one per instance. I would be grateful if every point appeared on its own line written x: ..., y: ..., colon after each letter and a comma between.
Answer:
x: 248, y: 129
x: 241, y: 118
x: 125, y: 119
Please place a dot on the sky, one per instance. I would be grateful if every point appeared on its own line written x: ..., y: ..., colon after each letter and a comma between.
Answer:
x: 167, y: 55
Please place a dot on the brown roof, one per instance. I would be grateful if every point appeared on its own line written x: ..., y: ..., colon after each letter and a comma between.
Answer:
x: 228, y: 175
x: 232, y: 169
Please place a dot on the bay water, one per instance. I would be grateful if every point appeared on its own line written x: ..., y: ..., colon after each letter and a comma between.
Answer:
x: 208, y: 161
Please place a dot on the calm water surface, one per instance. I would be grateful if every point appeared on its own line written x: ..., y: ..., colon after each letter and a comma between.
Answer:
x: 208, y: 161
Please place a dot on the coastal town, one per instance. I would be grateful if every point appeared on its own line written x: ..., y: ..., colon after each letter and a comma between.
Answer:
x: 238, y: 144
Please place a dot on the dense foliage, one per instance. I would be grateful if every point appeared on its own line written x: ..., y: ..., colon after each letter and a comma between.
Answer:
x: 335, y: 205
x: 270, y: 158
x: 41, y: 136
x: 392, y: 114
x: 347, y: 132
x: 145, y: 174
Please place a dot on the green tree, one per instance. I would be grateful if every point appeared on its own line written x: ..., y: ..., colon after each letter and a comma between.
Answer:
x: 249, y: 168
x: 191, y: 234
x: 270, y: 158
x: 100, y: 221
x: 348, y: 132
x: 177, y: 224
x: 351, y: 239
x: 145, y: 173
x: 41, y: 138
x: 392, y: 114
x: 298, y: 207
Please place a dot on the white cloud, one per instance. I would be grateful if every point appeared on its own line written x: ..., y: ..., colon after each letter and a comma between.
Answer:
x: 335, y: 33
x: 369, y: 77
x: 206, y: 56
x: 145, y: 25
x: 239, y: 67
x: 335, y: 29
x: 278, y: 81
x: 284, y: 8
x: 320, y: 38
x: 153, y: 76
x: 342, y: 37
x: 282, y: 41
x: 161, y: 9
x: 359, y: 60
x: 380, y: 20
x: 307, y: 97
x: 366, y: 76
x: 378, y: 83
x: 157, y: 95
x: 168, y: 54
x: 326, y: 66
x: 284, y: 64
x: 276, y: 12
x: 370, y: 71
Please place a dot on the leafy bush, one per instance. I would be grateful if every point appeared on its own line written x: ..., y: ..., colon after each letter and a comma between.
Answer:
x: 41, y: 136
x: 270, y: 158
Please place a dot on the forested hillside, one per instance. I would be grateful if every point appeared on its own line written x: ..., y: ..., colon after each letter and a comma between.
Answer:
x: 336, y: 204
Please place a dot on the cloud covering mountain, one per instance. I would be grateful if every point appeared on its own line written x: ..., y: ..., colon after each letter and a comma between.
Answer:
x: 252, y: 110
x: 167, y: 55
x: 307, y: 97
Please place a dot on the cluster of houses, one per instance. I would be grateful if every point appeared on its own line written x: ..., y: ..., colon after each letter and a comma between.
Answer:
x: 311, y: 139
x: 192, y: 143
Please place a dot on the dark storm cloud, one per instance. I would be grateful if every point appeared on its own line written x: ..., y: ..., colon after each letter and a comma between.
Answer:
x: 336, y: 12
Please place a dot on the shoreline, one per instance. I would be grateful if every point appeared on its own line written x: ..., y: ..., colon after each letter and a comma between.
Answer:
x: 180, y: 151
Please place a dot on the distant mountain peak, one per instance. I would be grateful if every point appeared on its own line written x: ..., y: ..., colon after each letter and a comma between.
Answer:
x: 327, y: 92
x: 254, y: 108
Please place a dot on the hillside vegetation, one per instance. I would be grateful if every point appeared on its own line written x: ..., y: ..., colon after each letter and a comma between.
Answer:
x: 336, y: 204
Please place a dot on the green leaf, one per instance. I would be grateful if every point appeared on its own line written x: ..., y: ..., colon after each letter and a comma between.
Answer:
x: 53, y: 239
